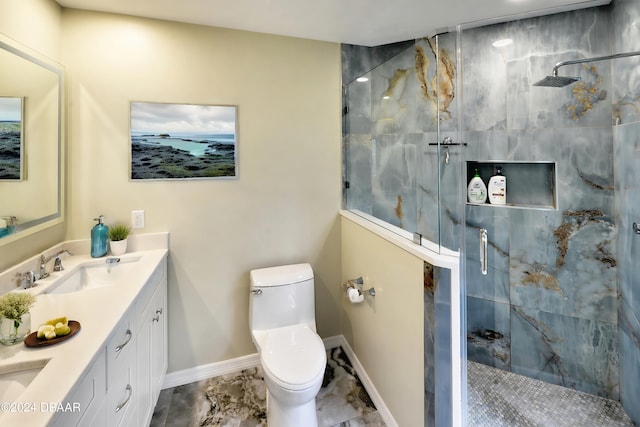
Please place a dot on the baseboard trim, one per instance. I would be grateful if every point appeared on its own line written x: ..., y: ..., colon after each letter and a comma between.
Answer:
x: 225, y: 367
x: 199, y: 373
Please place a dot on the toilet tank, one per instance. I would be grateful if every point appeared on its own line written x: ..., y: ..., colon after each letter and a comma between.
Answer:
x: 282, y: 296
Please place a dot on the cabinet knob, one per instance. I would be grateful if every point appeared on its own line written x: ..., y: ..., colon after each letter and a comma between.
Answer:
x: 159, y: 311
x: 156, y: 318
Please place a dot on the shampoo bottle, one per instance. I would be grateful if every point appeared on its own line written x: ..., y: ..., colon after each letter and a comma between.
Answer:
x: 477, y: 191
x: 99, y: 238
x: 498, y: 188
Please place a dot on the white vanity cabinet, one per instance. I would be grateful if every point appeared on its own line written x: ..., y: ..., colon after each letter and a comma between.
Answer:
x: 136, y: 372
x: 123, y: 384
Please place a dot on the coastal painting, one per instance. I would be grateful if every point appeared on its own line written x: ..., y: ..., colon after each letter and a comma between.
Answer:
x: 11, y: 144
x: 183, y: 141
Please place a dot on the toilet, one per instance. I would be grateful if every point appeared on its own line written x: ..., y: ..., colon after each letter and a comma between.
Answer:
x: 292, y: 354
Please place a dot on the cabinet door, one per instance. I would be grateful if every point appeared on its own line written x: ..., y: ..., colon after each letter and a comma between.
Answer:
x: 99, y: 417
x: 159, y: 340
x: 145, y: 402
x: 121, y: 363
x: 83, y: 406
x: 152, y: 353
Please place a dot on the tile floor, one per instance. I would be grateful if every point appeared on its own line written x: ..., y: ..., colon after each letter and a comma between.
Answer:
x: 497, y: 398
x: 238, y: 400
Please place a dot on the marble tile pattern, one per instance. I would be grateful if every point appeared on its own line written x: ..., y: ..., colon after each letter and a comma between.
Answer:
x: 391, y: 120
x: 239, y: 400
x: 497, y: 398
x: 437, y: 345
x: 551, y: 291
x: 359, y: 60
x: 626, y: 113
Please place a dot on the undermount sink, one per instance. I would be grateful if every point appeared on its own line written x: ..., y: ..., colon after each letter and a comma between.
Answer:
x: 15, y: 378
x: 99, y: 274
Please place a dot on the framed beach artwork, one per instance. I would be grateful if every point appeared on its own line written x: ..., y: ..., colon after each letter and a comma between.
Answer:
x: 183, y: 141
x: 11, y: 139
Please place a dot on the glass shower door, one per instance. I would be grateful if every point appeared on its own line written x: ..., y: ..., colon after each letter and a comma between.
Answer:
x: 440, y: 200
x: 390, y: 130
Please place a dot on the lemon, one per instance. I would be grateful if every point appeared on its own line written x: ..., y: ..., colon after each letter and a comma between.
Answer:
x: 54, y: 322
x: 42, y: 330
x: 61, y: 329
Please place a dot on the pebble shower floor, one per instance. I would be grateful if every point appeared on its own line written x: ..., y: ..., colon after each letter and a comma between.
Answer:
x: 498, y: 398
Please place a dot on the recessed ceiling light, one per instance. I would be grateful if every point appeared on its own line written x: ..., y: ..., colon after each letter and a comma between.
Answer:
x: 362, y: 79
x: 502, y: 42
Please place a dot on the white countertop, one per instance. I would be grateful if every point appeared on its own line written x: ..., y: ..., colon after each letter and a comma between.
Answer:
x: 98, y: 311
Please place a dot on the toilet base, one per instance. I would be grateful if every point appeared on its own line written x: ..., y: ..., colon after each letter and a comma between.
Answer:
x: 280, y: 415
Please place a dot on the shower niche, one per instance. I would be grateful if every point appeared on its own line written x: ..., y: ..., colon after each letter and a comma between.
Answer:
x: 529, y: 184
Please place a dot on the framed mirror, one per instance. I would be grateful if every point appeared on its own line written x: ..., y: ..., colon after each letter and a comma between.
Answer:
x: 31, y: 132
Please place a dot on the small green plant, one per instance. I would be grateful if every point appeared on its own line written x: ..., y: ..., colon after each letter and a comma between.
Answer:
x: 13, y: 305
x: 118, y: 232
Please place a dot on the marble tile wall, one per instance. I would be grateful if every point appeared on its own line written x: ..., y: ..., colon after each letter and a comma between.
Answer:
x: 547, y: 307
x: 561, y: 294
x: 429, y: 345
x: 437, y: 346
x: 626, y: 138
x: 390, y: 121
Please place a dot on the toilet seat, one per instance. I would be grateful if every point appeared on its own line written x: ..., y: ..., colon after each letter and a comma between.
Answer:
x: 293, y: 357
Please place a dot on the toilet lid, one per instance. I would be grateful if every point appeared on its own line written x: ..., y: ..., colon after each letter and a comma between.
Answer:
x: 293, y: 357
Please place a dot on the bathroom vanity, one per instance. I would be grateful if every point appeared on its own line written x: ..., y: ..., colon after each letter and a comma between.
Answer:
x: 110, y: 372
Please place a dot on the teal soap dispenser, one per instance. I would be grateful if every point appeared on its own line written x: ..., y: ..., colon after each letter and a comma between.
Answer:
x: 99, y: 238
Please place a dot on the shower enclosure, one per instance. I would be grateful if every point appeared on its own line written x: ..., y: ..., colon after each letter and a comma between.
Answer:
x: 552, y: 293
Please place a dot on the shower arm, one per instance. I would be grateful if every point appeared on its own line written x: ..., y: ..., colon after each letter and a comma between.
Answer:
x: 598, y: 58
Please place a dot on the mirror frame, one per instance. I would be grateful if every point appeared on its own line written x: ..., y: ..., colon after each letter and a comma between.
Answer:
x: 30, y: 227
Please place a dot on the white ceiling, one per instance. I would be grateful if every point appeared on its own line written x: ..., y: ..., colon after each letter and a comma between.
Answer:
x: 361, y: 22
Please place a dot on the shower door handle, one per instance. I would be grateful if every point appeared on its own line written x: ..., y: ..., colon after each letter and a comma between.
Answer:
x: 483, y: 251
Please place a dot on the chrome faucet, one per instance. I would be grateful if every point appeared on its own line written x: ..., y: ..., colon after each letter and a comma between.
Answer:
x: 57, y: 263
x: 26, y: 280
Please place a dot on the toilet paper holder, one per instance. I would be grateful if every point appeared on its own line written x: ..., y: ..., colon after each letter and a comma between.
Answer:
x: 358, y: 284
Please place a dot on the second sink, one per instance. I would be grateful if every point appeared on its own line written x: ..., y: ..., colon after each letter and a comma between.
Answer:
x: 15, y: 378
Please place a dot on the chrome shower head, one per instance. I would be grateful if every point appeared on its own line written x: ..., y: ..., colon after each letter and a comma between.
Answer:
x: 556, y: 81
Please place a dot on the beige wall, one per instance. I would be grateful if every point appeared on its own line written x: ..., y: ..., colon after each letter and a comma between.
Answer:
x: 386, y: 332
x: 282, y: 209
x: 35, y: 24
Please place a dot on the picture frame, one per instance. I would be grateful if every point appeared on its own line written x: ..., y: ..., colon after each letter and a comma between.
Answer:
x: 12, y: 158
x: 171, y: 141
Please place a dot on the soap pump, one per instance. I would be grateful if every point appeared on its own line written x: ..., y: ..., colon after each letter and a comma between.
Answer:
x: 99, y: 238
x: 477, y: 191
x: 498, y: 188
